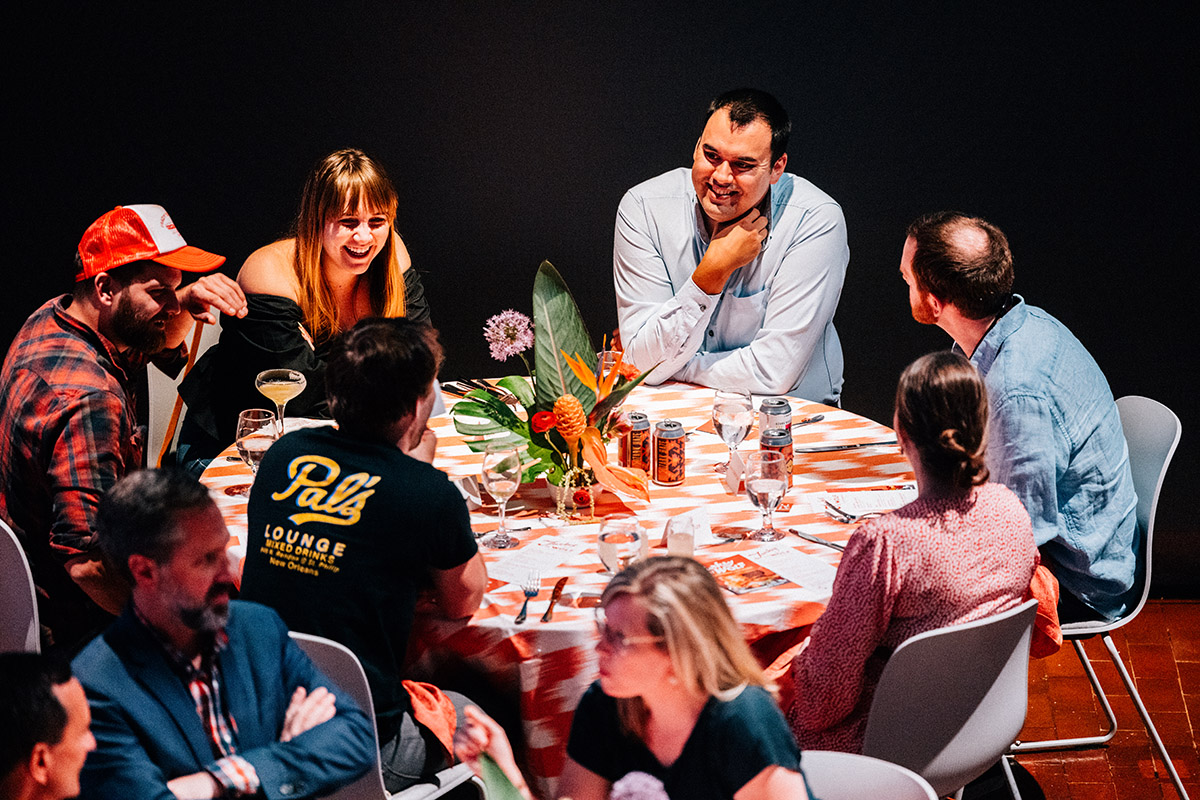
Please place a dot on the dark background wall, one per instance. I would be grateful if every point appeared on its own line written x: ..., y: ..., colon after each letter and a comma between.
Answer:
x: 511, y: 131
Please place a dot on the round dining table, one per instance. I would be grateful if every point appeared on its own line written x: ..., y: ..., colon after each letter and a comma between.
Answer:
x: 777, y: 589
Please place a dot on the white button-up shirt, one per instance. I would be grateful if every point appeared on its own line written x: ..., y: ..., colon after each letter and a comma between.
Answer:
x: 771, y: 328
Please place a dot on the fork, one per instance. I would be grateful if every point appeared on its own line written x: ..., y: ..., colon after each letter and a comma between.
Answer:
x: 846, y: 516
x: 531, y: 587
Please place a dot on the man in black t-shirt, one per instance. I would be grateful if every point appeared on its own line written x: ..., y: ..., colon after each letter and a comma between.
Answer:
x: 346, y: 525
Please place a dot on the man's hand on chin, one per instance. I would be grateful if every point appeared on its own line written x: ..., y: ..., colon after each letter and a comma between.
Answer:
x: 733, y: 245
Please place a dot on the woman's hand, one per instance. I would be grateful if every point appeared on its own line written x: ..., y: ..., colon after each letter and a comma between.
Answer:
x: 482, y: 734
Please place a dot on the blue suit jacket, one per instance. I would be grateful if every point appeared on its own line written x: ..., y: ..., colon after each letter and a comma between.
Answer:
x: 148, y: 732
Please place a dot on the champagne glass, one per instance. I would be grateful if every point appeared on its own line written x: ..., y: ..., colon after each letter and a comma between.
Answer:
x: 766, y: 480
x: 501, y: 476
x: 732, y: 416
x: 279, y: 386
x: 255, y: 433
x: 620, y: 542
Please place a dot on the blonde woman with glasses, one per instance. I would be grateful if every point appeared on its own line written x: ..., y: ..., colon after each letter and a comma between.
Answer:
x: 680, y: 697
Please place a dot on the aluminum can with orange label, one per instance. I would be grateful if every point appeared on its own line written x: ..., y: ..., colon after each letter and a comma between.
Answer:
x: 669, y: 441
x: 780, y: 440
x: 633, y: 449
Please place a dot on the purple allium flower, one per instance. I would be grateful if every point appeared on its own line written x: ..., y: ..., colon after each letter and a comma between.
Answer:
x: 509, y: 333
x: 638, y: 786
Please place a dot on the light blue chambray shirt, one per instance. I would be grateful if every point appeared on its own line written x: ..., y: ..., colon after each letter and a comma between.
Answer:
x: 1055, y: 438
x: 771, y: 328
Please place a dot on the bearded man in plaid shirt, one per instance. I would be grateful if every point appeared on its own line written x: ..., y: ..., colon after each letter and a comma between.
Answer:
x: 73, y: 381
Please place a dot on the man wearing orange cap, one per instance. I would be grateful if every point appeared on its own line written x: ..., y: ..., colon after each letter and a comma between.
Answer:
x: 71, y: 414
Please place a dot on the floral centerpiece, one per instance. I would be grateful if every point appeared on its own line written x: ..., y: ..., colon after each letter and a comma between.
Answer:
x: 563, y: 415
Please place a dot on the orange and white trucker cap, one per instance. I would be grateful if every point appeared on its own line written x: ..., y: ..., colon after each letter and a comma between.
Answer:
x: 139, y: 233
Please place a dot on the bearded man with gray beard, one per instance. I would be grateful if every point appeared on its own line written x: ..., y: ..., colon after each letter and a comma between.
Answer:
x: 192, y: 693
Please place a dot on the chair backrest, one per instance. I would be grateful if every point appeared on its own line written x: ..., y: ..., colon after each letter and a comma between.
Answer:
x: 1152, y: 433
x: 848, y: 776
x: 165, y: 402
x: 344, y: 669
x: 951, y: 701
x: 19, y: 628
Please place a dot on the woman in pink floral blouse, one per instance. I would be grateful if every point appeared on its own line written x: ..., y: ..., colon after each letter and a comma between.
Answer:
x: 961, y: 551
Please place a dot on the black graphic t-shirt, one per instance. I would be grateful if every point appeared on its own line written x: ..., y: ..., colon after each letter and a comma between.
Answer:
x: 342, y: 534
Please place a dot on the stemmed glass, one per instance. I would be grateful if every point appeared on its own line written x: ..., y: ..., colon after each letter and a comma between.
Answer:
x: 501, y: 476
x: 732, y: 416
x: 279, y: 386
x: 619, y: 542
x: 766, y: 480
x: 255, y: 435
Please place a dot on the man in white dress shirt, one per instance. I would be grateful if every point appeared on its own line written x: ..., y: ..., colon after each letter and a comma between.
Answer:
x: 728, y: 275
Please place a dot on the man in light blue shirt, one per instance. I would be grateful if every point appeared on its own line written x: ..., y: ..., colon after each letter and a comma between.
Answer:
x: 728, y: 275
x: 1054, y: 436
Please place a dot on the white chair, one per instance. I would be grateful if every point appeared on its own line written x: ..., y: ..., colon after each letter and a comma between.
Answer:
x: 1152, y: 433
x: 847, y: 776
x: 19, y: 628
x: 165, y: 403
x: 951, y: 701
x: 344, y: 669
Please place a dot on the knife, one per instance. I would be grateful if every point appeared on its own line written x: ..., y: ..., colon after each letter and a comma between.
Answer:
x: 830, y: 448
x: 808, y: 537
x: 554, y: 595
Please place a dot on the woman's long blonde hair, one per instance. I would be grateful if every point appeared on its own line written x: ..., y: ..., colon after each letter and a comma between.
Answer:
x: 340, y: 182
x: 684, y: 605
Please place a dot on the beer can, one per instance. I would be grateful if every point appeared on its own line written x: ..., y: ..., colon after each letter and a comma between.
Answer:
x: 633, y: 449
x: 779, y: 440
x: 668, y: 453
x: 774, y: 412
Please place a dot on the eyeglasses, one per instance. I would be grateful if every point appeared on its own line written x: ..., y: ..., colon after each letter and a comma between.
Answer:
x: 618, y: 641
x: 738, y: 166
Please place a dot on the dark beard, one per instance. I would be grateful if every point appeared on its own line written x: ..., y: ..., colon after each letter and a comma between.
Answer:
x: 137, y: 333
x: 208, y: 618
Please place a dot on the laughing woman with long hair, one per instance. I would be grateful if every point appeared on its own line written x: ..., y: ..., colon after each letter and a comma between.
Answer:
x: 344, y: 261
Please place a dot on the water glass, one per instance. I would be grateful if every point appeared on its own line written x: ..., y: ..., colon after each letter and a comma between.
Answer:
x: 732, y: 417
x: 501, y: 475
x: 766, y: 481
x: 621, y: 542
x: 255, y: 434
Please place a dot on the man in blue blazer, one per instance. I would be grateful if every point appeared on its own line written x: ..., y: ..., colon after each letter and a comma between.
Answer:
x: 195, y: 696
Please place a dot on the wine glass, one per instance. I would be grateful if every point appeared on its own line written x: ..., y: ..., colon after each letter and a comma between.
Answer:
x: 255, y: 433
x: 766, y: 480
x: 501, y: 476
x: 620, y: 542
x: 732, y: 416
x: 279, y: 386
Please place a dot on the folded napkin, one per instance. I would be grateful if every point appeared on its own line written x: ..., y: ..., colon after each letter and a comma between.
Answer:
x: 468, y: 487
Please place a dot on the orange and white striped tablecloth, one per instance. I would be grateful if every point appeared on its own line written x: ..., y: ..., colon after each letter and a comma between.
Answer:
x: 551, y: 664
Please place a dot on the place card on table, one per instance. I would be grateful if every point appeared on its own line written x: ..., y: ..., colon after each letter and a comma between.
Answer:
x: 734, y: 472
x: 875, y: 500
x: 811, y: 574
x: 542, y: 556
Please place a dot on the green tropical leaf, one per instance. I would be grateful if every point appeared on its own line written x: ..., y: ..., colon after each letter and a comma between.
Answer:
x: 508, y: 439
x: 558, y: 328
x: 477, y: 429
x: 483, y: 405
x: 520, y: 388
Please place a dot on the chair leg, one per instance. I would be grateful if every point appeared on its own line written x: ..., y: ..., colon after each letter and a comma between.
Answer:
x: 1081, y: 741
x: 1127, y: 679
x: 1012, y: 781
x: 1091, y: 741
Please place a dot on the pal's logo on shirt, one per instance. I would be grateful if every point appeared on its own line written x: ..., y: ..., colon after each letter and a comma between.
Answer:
x: 312, y: 476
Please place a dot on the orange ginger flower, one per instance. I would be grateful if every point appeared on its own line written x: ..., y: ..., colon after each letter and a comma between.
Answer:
x: 571, y: 417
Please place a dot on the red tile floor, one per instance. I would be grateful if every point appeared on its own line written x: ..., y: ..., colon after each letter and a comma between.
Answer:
x: 1161, y: 649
